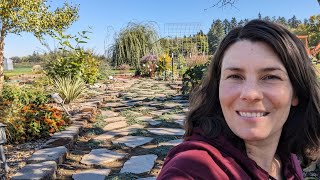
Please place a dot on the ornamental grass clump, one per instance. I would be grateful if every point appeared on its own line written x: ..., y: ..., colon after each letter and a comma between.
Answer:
x: 69, y: 88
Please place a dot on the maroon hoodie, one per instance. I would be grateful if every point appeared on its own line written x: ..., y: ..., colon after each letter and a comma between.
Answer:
x: 199, y: 157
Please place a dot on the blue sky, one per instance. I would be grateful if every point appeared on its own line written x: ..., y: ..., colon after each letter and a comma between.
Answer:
x: 107, y: 17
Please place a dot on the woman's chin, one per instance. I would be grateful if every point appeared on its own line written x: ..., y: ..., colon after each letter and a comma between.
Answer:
x: 252, y: 136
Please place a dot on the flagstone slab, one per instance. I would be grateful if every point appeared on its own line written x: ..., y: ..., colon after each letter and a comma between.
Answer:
x: 70, y: 133
x: 171, y: 143
x: 115, y: 119
x: 133, y: 141
x: 57, y: 154
x: 138, y: 98
x: 108, y: 113
x: 114, y: 104
x: 145, y: 92
x: 180, y: 122
x: 154, y: 122
x: 130, y: 129
x: 171, y: 105
x: 144, y: 118
x: 101, y: 156
x: 166, y: 131
x: 115, y: 125
x: 106, y: 136
x: 147, y: 108
x: 124, y: 132
x: 139, y: 164
x: 94, y: 174
x: 42, y: 170
x: 177, y: 116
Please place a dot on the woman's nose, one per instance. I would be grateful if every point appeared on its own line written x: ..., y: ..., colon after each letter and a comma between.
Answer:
x: 251, y: 91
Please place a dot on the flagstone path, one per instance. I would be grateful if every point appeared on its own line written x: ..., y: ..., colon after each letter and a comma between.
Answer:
x: 135, y: 128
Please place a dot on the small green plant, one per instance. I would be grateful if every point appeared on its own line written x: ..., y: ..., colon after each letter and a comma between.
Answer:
x: 192, y: 77
x: 23, y: 95
x: 69, y: 88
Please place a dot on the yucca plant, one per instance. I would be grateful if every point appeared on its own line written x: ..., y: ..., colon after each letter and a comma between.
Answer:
x: 69, y: 88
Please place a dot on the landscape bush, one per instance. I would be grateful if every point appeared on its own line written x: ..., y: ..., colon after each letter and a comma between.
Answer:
x: 192, y: 77
x: 24, y: 111
x: 148, y: 65
x: 73, y: 61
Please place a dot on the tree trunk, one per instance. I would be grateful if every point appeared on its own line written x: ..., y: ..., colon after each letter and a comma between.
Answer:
x: 1, y: 58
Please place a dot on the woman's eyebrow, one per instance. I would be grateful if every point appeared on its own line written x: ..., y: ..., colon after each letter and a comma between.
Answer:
x: 233, y: 69
x: 266, y: 69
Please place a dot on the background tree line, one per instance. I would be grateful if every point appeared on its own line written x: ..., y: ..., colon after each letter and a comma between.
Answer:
x: 311, y: 27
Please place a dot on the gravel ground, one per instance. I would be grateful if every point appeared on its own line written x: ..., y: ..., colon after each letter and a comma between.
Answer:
x: 17, y: 155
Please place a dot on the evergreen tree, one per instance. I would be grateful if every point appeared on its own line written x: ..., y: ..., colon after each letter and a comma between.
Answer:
x: 282, y: 21
x: 293, y: 22
x: 233, y: 23
x: 267, y: 18
x: 226, y: 25
x: 215, y: 35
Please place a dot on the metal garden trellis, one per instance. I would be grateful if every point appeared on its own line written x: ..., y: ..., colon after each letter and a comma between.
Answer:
x: 178, y: 34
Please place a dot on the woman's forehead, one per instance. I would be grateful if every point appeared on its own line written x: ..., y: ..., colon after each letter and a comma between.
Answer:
x: 251, y: 54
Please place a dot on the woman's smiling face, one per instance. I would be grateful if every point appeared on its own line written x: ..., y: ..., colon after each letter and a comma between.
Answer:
x: 255, y: 91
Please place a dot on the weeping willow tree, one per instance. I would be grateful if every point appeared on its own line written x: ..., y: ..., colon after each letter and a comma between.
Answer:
x: 133, y: 42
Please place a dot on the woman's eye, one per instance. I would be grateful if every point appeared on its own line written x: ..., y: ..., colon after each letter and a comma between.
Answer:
x: 272, y: 77
x: 234, y: 76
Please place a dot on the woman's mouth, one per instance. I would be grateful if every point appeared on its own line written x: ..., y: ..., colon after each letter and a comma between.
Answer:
x: 252, y: 114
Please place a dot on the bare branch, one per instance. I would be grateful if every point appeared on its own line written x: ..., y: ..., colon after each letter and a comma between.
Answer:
x: 224, y: 3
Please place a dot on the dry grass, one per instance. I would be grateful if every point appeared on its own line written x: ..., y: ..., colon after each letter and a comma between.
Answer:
x: 197, y: 60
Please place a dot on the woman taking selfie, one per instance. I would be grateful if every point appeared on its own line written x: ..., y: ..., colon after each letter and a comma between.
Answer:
x: 256, y: 110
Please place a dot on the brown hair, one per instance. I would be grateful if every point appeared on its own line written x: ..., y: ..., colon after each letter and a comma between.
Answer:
x: 300, y: 133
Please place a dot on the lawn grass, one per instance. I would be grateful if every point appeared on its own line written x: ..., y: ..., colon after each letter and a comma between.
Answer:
x: 18, y: 71
x: 20, y: 68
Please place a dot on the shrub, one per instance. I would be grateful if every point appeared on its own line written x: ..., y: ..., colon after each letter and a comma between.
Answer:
x: 23, y: 95
x: 69, y: 88
x: 27, y: 117
x: 32, y: 122
x: 73, y: 61
x: 37, y: 69
x: 90, y: 71
x: 148, y: 65
x: 192, y: 77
